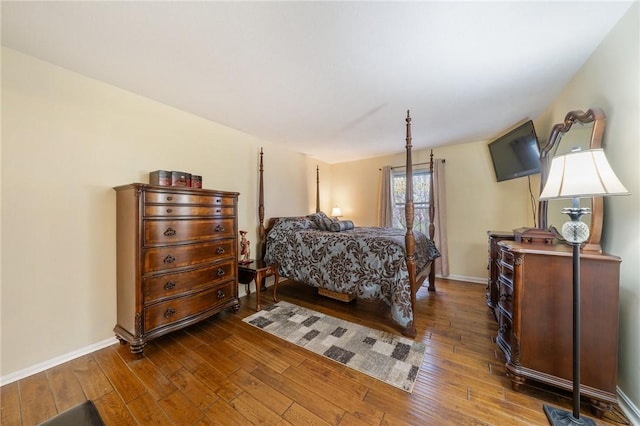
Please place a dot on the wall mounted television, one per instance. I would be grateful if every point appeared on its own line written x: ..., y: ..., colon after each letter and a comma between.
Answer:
x: 516, y: 154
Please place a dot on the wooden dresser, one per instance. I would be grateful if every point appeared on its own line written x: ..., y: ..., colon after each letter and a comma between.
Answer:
x: 535, y: 308
x: 493, y: 268
x: 176, y: 259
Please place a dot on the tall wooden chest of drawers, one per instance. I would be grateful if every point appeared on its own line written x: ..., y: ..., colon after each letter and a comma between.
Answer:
x: 176, y: 259
x: 535, y: 317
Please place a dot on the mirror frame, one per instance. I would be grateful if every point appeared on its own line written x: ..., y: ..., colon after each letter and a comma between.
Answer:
x: 598, y: 118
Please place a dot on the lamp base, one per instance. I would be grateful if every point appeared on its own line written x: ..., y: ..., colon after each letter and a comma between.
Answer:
x: 559, y: 417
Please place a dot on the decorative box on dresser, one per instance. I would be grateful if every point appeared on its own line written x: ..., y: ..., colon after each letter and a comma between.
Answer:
x: 493, y: 267
x: 176, y: 259
x: 535, y: 318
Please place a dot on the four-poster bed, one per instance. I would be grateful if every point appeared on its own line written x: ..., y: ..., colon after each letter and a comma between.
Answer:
x: 373, y: 263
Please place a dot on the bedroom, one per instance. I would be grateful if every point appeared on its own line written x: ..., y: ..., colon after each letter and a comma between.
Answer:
x: 60, y: 259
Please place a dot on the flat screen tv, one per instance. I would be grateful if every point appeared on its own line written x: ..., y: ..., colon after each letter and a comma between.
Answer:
x: 516, y: 153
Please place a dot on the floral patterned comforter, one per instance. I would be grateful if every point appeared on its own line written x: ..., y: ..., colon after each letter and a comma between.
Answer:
x: 368, y: 262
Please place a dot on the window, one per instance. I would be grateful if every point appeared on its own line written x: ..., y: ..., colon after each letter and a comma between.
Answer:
x: 421, y: 186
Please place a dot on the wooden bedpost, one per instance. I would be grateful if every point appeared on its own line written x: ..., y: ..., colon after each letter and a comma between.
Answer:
x: 261, y: 235
x: 409, y: 237
x: 432, y: 227
x: 317, y: 189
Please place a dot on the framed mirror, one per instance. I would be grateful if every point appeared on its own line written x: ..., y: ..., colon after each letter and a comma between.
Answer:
x: 583, y: 130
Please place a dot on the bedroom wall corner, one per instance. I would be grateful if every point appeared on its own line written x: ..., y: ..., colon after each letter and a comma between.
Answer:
x: 609, y: 79
x: 67, y: 140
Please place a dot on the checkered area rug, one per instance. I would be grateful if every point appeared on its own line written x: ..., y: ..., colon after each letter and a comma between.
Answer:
x: 391, y: 358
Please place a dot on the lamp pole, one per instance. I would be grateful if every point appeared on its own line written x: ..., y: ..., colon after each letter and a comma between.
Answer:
x: 575, y: 232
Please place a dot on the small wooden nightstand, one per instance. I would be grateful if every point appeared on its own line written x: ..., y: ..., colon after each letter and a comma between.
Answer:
x: 257, y: 270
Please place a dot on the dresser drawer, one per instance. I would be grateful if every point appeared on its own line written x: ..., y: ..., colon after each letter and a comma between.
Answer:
x: 185, y: 231
x: 505, y: 300
x: 506, y: 272
x: 506, y: 257
x: 170, y: 197
x: 505, y: 332
x: 506, y: 265
x: 181, y: 210
x: 162, y: 286
x: 181, y: 308
x: 171, y: 257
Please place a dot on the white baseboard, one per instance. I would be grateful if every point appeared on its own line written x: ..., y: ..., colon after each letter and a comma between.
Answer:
x: 34, y: 369
x: 630, y: 410
x: 475, y: 280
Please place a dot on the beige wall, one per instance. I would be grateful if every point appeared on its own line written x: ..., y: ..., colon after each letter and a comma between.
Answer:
x: 610, y: 80
x: 66, y: 141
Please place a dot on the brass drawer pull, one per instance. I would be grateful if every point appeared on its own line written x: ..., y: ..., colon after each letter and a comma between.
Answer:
x: 220, y: 250
x: 169, y: 198
x: 218, y: 210
x: 220, y: 294
x: 169, y: 210
x: 220, y: 272
x: 219, y: 228
x: 169, y: 259
x: 170, y: 232
x: 169, y: 313
x: 169, y: 285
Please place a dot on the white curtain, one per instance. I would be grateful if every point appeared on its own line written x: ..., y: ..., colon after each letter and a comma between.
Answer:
x: 385, y: 216
x: 440, y: 219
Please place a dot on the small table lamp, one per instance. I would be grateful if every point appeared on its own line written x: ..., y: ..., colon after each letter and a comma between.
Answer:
x: 576, y: 175
x: 336, y: 212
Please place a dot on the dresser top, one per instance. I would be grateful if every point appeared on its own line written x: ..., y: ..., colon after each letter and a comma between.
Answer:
x: 553, y: 250
x: 173, y: 189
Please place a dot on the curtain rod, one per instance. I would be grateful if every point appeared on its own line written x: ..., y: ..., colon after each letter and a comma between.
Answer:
x: 413, y: 164
x: 404, y: 165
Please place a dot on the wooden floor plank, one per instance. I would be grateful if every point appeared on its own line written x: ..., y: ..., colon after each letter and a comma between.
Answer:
x: 298, y: 415
x: 146, y: 411
x: 198, y: 392
x: 181, y: 353
x: 126, y: 383
x: 321, y: 406
x: 151, y: 377
x: 222, y: 414
x: 224, y: 364
x: 277, y: 401
x: 10, y: 405
x: 65, y: 387
x: 255, y: 411
x: 113, y: 410
x: 91, y: 377
x: 180, y: 409
x: 162, y: 359
x: 317, y: 384
x: 36, y: 399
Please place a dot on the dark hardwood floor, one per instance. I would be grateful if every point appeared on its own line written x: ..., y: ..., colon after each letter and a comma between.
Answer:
x: 223, y: 371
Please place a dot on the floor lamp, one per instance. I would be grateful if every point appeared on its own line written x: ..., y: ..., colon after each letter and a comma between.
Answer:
x: 575, y: 175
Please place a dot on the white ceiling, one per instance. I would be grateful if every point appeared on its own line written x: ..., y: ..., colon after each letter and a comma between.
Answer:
x: 329, y: 79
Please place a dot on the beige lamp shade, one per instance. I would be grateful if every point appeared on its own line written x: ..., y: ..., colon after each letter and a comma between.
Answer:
x: 336, y: 212
x: 581, y: 174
